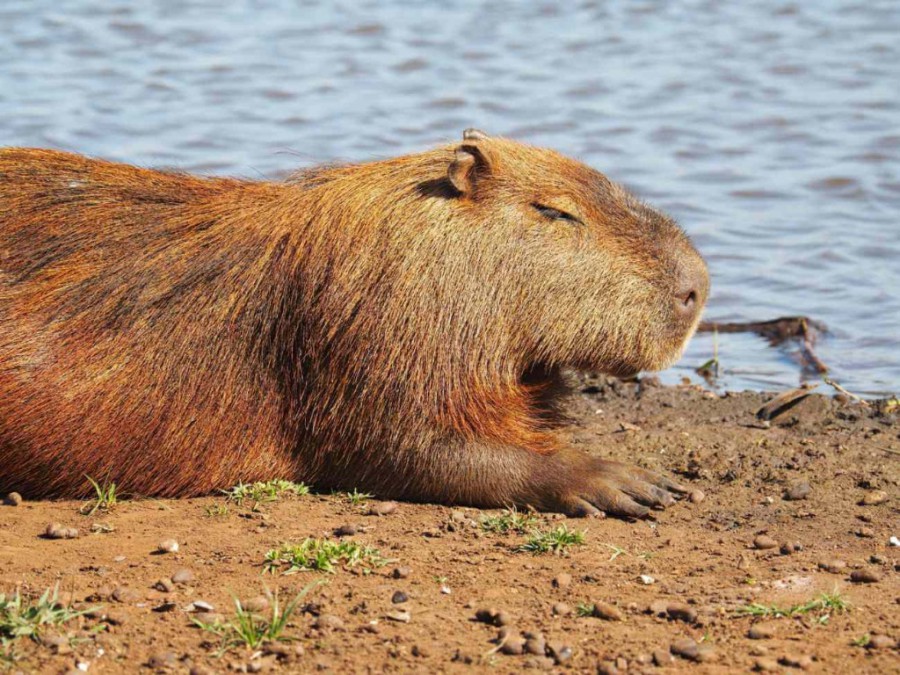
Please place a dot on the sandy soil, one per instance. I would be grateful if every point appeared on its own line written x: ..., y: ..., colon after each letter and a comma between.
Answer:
x: 686, y: 575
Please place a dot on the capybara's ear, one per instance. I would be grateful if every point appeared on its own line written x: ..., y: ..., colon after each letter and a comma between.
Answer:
x: 468, y: 165
x: 474, y: 135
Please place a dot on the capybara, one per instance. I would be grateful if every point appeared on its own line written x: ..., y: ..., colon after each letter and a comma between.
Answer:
x: 397, y: 326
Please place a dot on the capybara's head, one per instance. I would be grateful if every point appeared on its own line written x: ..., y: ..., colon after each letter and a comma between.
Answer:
x: 591, y: 277
x: 510, y: 256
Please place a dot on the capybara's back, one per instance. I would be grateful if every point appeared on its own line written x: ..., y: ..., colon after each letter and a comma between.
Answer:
x: 398, y: 326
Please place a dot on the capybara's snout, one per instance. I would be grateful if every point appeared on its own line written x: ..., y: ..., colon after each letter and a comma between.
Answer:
x: 690, y: 286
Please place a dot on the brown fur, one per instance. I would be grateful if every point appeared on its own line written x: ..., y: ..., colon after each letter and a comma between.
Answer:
x: 397, y: 326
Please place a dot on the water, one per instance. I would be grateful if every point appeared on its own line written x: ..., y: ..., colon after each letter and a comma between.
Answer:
x: 771, y: 131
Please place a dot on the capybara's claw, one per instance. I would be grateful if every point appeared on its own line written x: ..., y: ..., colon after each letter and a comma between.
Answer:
x: 616, y: 489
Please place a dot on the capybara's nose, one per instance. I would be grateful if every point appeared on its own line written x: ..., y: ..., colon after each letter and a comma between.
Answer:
x: 692, y: 286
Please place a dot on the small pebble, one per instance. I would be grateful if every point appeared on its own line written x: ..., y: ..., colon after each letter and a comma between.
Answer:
x: 256, y: 605
x: 536, y: 645
x: 865, y: 576
x: 420, y: 651
x: 399, y: 597
x: 182, y: 577
x: 685, y: 648
x: 833, y: 566
x: 894, y: 541
x: 802, y: 661
x: 881, y: 642
x: 607, y: 668
x: 662, y: 658
x: 513, y: 646
x: 562, y: 580
x: 164, y: 585
x: 162, y: 660
x: 764, y: 542
x: 865, y: 532
x: 697, y: 496
x: 603, y: 610
x: 167, y: 546
x: 559, y: 652
x: 681, y: 612
x: 766, y: 665
x: 202, y: 606
x: 12, y: 499
x: 328, y: 622
x: 125, y: 595
x: 400, y: 616
x: 797, y: 491
x: 346, y: 531
x: 646, y: 579
x: 561, y: 609
x: 761, y: 631
x: 874, y: 498
x: 382, y: 508
x: 57, y: 531
x: 401, y: 572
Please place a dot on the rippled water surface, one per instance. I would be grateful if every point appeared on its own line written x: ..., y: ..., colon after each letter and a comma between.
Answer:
x: 770, y: 130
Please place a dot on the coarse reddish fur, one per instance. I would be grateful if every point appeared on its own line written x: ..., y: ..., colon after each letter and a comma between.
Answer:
x: 179, y: 334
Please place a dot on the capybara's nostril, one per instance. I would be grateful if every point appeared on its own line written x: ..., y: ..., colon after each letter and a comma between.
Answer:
x: 691, y: 286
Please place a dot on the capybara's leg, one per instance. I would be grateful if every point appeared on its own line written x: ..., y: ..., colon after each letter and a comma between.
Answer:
x: 569, y: 482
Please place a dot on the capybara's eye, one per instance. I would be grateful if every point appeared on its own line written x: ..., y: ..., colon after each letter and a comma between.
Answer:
x: 555, y: 214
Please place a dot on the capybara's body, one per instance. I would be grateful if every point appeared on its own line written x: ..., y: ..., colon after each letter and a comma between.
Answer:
x: 396, y: 326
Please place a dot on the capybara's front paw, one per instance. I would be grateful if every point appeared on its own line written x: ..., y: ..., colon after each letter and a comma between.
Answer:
x: 594, y: 486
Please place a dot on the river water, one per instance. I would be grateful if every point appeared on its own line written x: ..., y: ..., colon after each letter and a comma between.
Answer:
x: 770, y: 130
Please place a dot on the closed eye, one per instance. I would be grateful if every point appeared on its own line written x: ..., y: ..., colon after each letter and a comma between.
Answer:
x: 555, y: 214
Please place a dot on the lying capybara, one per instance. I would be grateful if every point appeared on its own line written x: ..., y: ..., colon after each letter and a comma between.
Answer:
x: 397, y: 327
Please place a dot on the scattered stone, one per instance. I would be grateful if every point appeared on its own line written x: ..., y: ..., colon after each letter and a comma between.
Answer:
x: 256, y: 605
x: 328, y: 622
x: 802, y: 661
x: 658, y: 607
x: 833, y: 566
x: 57, y: 531
x: 493, y: 616
x: 761, y: 631
x: 697, y: 496
x: 346, y: 531
x: 878, y: 641
x: 401, y: 572
x: 874, y: 498
x: 182, y: 576
x: 559, y: 652
x: 865, y: 533
x: 766, y: 665
x: 12, y: 499
x: 167, y: 546
x: 894, y: 541
x: 688, y: 649
x: 125, y: 595
x: 764, y: 542
x: 662, y: 658
x: 562, y: 580
x: 681, y: 612
x: 539, y: 663
x: 535, y: 644
x: 164, y: 585
x: 162, y: 660
x: 513, y: 646
x: 790, y: 547
x: 400, y: 616
x: 797, y: 491
x: 561, y: 609
x: 646, y: 579
x: 420, y: 651
x: 865, y: 576
x: 399, y: 597
x: 382, y: 508
x: 603, y: 610
x: 607, y: 668
x: 202, y: 606
x: 166, y: 606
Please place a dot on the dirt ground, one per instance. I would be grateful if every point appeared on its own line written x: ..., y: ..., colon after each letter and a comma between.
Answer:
x: 682, y: 582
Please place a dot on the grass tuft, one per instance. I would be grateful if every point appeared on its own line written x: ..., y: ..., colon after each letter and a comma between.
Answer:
x: 264, y: 491
x: 509, y: 521
x: 825, y: 605
x: 356, y: 497
x: 556, y: 541
x: 584, y: 609
x: 19, y: 618
x: 250, y: 630
x: 104, y: 497
x: 321, y: 555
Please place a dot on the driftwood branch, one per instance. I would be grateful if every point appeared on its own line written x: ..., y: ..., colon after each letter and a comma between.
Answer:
x: 801, y: 329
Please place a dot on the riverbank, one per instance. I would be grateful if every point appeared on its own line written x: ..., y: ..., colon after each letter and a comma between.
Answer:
x: 781, y: 559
